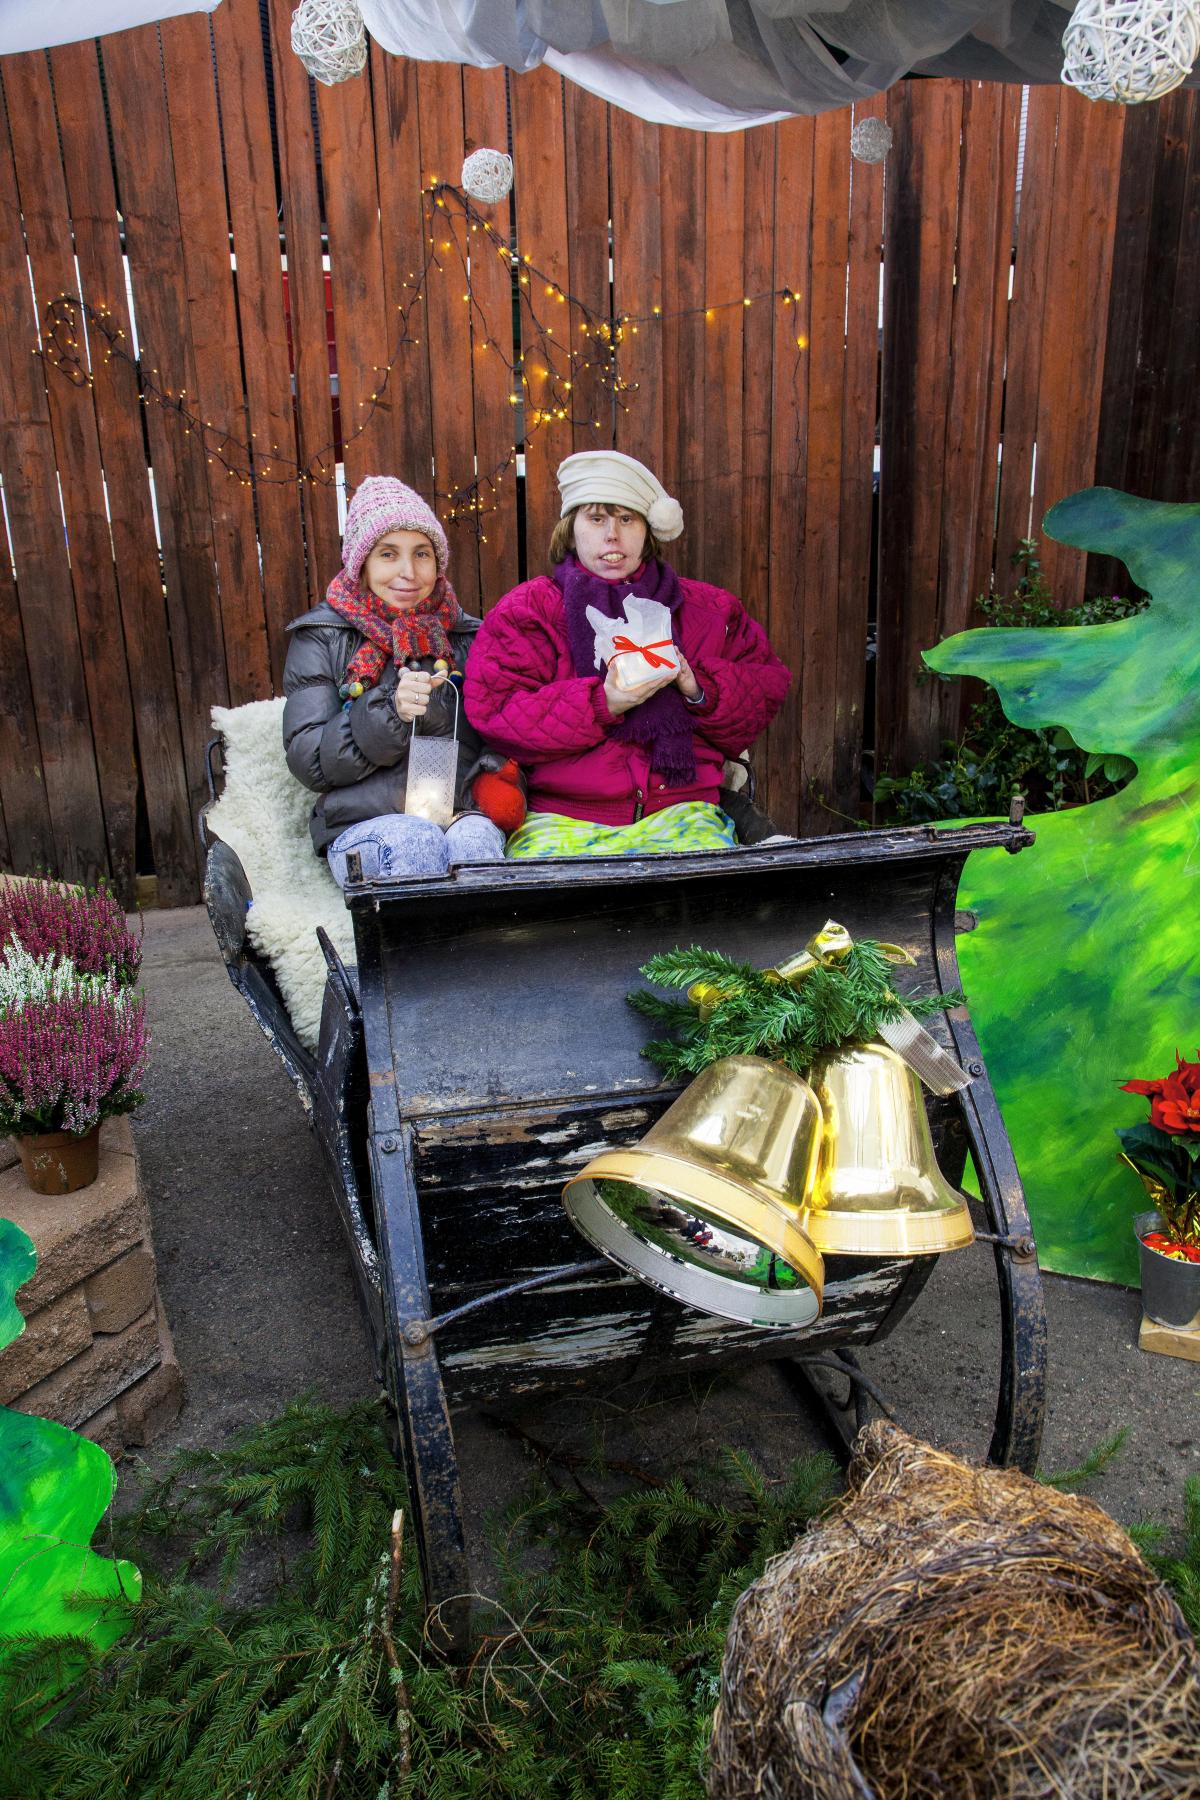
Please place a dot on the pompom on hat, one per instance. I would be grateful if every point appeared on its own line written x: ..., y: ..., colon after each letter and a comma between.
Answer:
x: 382, y: 504
x: 608, y: 478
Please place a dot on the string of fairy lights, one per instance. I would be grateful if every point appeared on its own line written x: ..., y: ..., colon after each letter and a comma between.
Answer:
x: 547, y: 369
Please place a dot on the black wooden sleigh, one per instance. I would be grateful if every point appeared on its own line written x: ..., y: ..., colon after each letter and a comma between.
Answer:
x: 482, y: 1052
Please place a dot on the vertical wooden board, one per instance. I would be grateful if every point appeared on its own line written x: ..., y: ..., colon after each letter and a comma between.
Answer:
x: 985, y: 574
x: 922, y: 195
x: 262, y: 326
x: 684, y: 338
x: 28, y: 470
x: 215, y: 389
x: 449, y: 325
x: 781, y: 761
x: 637, y: 227
x: 306, y: 304
x: 43, y: 200
x: 486, y: 121
x: 1167, y: 179
x: 540, y: 192
x: 29, y: 833
x: 96, y: 227
x: 1178, y: 465
x: 1023, y: 360
x: 757, y: 348
x: 149, y: 207
x: 724, y: 295
x: 860, y: 410
x: 982, y: 263
x: 405, y: 256
x: 360, y: 322
x: 1151, y: 397
x: 826, y: 357
x: 1127, y: 295
x: 1074, y: 323
x: 586, y: 137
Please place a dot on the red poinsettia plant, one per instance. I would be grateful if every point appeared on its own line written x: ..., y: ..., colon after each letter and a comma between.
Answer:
x: 1165, y: 1151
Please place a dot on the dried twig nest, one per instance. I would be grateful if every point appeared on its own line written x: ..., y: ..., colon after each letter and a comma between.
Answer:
x: 956, y: 1631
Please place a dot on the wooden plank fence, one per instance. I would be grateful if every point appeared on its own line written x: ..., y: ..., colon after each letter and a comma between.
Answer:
x: 863, y: 382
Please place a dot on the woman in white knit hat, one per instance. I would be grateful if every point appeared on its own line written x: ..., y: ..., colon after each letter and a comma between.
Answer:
x: 381, y: 652
x: 621, y: 713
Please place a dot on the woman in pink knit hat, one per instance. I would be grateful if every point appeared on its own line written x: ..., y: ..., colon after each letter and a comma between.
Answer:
x: 620, y: 686
x: 383, y: 650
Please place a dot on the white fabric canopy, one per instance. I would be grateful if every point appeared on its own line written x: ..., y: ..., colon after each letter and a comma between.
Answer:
x: 716, y: 65
x: 722, y: 64
x: 36, y: 25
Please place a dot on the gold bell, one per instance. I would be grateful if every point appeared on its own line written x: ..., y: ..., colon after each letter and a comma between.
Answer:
x: 706, y: 1207
x: 879, y: 1191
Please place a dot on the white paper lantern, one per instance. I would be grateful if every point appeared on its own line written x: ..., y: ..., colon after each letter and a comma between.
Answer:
x: 487, y: 175
x: 1130, y: 50
x: 870, y: 140
x: 329, y: 38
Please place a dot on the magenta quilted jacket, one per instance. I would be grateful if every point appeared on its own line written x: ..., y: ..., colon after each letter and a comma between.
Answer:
x: 523, y: 696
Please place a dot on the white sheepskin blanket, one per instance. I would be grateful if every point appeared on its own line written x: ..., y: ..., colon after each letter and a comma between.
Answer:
x: 263, y: 816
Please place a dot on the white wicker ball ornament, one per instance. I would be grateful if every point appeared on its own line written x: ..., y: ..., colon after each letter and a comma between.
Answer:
x: 329, y: 38
x: 870, y: 140
x: 487, y: 175
x: 1130, y: 50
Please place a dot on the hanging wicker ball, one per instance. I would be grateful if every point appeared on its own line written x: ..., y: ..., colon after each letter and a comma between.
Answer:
x: 329, y: 38
x: 955, y: 1631
x: 487, y: 175
x: 870, y: 140
x: 1130, y: 50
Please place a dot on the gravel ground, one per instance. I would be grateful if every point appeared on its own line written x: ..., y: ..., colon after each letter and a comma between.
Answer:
x: 256, y: 1281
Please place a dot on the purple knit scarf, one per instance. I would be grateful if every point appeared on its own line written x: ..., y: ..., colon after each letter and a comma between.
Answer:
x: 663, y: 721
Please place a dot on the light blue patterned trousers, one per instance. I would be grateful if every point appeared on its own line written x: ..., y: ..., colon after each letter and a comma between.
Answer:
x: 399, y: 844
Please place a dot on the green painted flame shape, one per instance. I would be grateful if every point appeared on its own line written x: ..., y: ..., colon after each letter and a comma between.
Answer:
x: 1085, y: 967
x: 55, y: 1487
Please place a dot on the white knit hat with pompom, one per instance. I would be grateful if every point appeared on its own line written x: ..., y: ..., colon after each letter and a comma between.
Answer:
x: 607, y: 478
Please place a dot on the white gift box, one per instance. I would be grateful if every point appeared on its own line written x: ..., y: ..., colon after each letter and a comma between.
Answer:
x: 637, y: 647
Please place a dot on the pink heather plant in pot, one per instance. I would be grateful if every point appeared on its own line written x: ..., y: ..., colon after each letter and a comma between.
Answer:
x: 72, y: 1053
x: 85, y: 925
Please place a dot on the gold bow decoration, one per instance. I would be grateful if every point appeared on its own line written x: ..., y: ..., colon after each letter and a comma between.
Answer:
x: 904, y: 1034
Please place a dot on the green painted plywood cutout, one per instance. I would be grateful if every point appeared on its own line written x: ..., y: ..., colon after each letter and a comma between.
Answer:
x: 55, y: 1487
x: 1085, y: 967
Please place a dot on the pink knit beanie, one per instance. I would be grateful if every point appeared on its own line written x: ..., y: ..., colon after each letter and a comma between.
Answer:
x: 382, y: 504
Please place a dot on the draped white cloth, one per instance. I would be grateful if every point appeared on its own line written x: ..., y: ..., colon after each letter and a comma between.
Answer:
x: 719, y: 65
x: 35, y: 25
x: 715, y: 65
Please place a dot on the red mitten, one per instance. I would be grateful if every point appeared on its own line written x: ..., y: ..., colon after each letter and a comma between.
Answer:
x: 500, y: 796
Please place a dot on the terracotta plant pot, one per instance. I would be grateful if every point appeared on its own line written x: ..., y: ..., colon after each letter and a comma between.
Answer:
x: 58, y: 1162
x: 1170, y: 1288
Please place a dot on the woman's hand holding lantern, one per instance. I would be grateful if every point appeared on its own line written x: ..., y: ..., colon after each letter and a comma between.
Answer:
x: 413, y: 690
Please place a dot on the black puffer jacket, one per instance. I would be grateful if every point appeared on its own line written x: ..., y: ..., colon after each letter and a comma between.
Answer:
x: 355, y: 758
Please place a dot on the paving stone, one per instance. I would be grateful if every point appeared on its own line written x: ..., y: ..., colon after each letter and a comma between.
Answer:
x: 86, y: 1384
x: 76, y: 1234
x: 119, y: 1294
x: 104, y: 1428
x: 8, y: 1152
x: 51, y: 1338
x: 152, y: 1403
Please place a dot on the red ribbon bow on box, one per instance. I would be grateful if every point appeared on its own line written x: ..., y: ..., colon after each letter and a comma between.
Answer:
x: 623, y: 646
